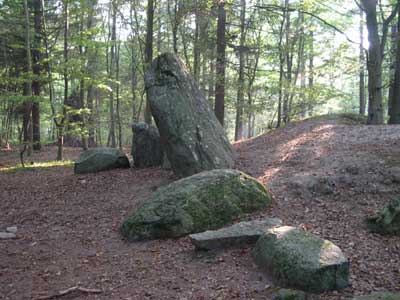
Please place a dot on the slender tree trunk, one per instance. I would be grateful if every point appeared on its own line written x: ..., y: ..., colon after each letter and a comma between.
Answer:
x: 112, y: 71
x: 60, y: 129
x: 240, y: 86
x: 281, y: 72
x: 311, y: 75
x: 133, y: 71
x: 118, y: 101
x: 82, y: 87
x: 211, y: 83
x: 219, y: 106
x: 302, y: 67
x: 395, y: 100
x: 175, y: 25
x: 288, y: 66
x: 196, y: 48
x: 149, y: 53
x: 36, y: 85
x: 27, y: 122
x: 362, y: 66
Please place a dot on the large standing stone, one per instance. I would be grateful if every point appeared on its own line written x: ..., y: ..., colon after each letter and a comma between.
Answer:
x: 194, y: 139
x: 146, y: 147
x: 387, y: 221
x: 239, y: 234
x: 208, y: 200
x: 301, y: 260
x: 100, y: 159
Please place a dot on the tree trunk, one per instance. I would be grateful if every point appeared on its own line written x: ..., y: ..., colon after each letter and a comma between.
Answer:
x: 375, y: 109
x: 36, y: 85
x: 311, y: 75
x: 362, y: 63
x: 286, y: 97
x: 377, y: 43
x: 240, y: 86
x: 112, y: 68
x: 219, y: 106
x: 196, y: 48
x: 118, y: 100
x: 60, y: 131
x: 27, y: 120
x: 211, y: 83
x: 149, y: 52
x: 395, y: 100
x: 281, y: 72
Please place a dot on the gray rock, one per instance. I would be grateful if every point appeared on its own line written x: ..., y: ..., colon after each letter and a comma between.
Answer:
x: 146, y: 147
x: 208, y: 200
x: 379, y: 296
x: 193, y: 138
x: 100, y: 159
x: 239, y: 234
x: 387, y: 221
x: 7, y: 235
x: 12, y: 229
x: 394, y: 174
x: 300, y: 260
x: 314, y: 185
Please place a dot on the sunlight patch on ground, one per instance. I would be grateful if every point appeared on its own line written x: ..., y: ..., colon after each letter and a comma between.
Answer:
x: 320, y: 134
x: 28, y: 166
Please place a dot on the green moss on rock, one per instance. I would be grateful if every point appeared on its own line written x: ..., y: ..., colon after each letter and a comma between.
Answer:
x: 100, y: 159
x: 204, y: 201
x: 387, y: 221
x: 301, y: 260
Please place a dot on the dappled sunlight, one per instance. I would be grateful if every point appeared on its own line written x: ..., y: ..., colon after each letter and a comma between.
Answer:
x: 305, y: 144
x: 318, y: 135
x: 36, y: 165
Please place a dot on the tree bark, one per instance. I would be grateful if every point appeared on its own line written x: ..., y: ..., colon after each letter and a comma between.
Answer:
x: 37, y: 70
x: 27, y: 120
x: 112, y: 71
x: 362, y: 63
x: 219, y: 106
x: 395, y: 100
x: 240, y: 86
x: 149, y: 52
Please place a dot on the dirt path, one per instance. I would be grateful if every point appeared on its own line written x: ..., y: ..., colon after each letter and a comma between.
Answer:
x: 324, y: 177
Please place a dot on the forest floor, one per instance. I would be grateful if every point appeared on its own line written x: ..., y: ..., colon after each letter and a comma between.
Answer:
x: 325, y: 175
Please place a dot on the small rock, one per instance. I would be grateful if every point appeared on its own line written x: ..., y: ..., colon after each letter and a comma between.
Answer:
x: 387, y: 221
x: 239, y: 234
x: 12, y: 229
x: 7, y: 235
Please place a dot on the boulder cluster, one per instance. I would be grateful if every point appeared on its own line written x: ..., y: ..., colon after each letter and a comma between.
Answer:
x: 210, y: 194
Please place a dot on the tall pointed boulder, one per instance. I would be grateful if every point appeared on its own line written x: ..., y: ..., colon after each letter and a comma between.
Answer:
x: 191, y: 135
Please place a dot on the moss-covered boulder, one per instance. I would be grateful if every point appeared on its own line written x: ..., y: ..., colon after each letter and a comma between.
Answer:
x: 100, y: 159
x: 207, y: 200
x: 379, y: 296
x: 387, y: 221
x: 301, y: 260
x: 192, y: 137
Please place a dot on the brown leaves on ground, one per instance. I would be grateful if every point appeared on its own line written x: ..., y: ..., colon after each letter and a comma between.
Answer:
x: 324, y: 176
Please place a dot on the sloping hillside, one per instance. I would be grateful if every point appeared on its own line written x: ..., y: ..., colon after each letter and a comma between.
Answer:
x: 326, y: 175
